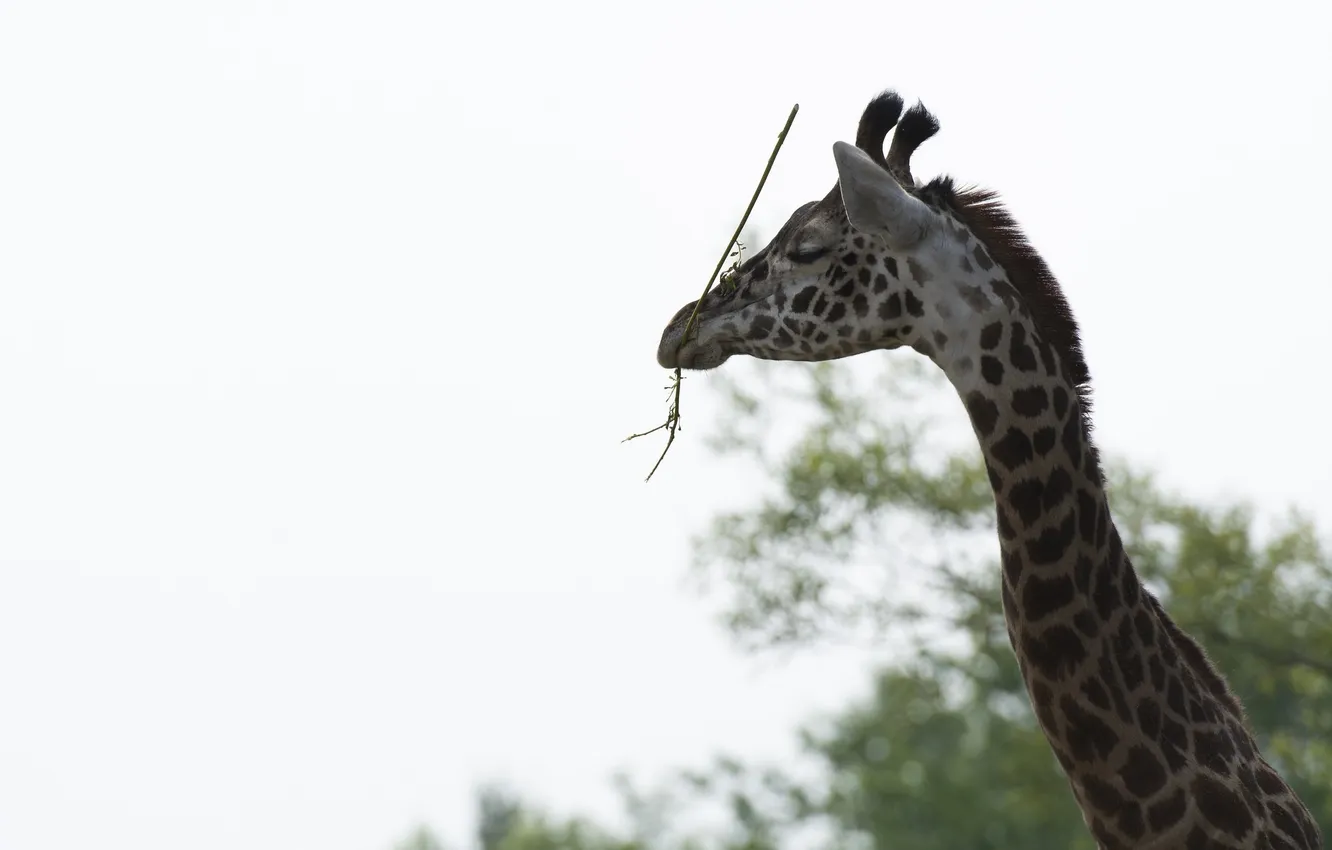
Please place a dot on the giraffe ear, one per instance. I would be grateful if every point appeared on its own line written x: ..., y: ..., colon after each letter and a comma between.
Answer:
x: 875, y: 203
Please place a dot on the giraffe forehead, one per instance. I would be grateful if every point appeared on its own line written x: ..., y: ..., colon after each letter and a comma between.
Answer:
x: 813, y: 222
x: 803, y: 215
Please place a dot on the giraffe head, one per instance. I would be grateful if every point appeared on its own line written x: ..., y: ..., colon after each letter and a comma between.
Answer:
x: 880, y: 262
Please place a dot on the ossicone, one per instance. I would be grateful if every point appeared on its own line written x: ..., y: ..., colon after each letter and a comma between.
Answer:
x: 879, y: 117
x: 917, y: 125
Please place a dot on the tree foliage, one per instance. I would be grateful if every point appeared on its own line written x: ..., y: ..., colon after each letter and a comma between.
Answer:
x: 948, y: 751
x: 878, y: 525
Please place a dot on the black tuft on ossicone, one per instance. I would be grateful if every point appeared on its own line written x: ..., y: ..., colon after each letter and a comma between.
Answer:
x: 916, y: 126
x: 879, y: 117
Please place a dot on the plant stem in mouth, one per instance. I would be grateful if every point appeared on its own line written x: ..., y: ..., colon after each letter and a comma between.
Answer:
x: 672, y: 423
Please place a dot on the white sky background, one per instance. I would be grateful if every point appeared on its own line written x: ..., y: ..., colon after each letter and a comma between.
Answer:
x: 321, y: 322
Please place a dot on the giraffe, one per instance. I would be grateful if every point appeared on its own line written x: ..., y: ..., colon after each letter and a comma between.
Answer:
x: 1155, y: 746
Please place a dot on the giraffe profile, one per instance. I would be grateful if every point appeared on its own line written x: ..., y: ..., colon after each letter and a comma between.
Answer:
x: 1155, y: 746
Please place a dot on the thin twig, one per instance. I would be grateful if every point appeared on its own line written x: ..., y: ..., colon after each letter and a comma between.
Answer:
x: 672, y: 423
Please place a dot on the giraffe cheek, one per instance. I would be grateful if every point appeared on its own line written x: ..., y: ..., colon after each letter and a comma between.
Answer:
x: 760, y: 327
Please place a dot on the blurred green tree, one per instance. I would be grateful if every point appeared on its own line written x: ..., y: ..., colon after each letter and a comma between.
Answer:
x: 878, y: 526
x: 421, y: 838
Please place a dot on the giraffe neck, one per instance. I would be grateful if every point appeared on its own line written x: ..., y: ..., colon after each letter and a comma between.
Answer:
x: 1153, y: 744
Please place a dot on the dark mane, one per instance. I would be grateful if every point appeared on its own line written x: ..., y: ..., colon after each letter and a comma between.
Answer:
x: 982, y: 213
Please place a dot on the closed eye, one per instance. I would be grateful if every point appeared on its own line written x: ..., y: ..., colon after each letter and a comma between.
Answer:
x: 807, y: 253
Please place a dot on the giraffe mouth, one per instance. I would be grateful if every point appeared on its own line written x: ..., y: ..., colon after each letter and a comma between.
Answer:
x: 707, y: 346
x: 696, y: 353
x: 695, y: 357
